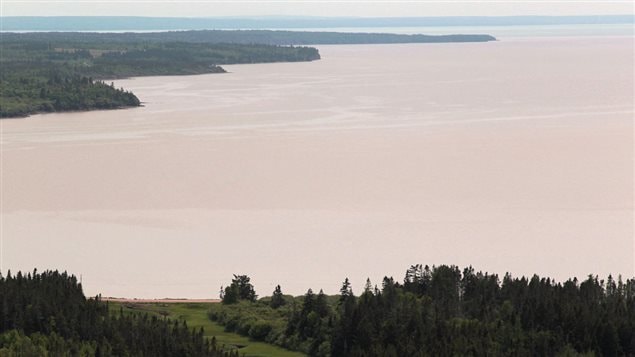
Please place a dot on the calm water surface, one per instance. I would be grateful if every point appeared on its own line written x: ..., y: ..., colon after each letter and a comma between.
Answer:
x: 511, y: 156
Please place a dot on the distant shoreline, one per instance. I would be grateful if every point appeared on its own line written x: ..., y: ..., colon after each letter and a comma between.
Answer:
x: 160, y: 301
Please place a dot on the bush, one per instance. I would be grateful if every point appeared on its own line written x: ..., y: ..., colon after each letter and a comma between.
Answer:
x: 260, y: 330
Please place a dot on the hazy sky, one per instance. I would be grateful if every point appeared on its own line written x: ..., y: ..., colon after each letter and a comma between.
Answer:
x: 208, y: 8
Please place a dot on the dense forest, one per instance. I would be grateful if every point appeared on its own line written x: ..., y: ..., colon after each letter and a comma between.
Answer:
x: 47, y: 314
x: 442, y: 311
x: 46, y: 73
x: 23, y: 95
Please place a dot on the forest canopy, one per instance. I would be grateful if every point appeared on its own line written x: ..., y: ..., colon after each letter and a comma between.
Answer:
x: 446, y: 311
x: 47, y: 314
x: 434, y: 311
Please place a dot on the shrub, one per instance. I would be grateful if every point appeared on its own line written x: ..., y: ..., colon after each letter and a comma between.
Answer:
x: 259, y: 330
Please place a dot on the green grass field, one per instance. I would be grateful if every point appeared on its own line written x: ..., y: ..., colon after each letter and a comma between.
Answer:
x: 196, y: 316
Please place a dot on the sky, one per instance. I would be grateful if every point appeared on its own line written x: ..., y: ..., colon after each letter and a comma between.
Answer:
x: 363, y: 8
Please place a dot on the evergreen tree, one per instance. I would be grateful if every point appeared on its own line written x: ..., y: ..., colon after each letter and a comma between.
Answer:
x: 277, y: 299
x: 239, y: 289
x: 321, y: 305
x: 345, y: 291
x: 47, y: 314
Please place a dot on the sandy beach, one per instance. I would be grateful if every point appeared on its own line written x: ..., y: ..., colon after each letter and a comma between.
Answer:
x: 511, y: 156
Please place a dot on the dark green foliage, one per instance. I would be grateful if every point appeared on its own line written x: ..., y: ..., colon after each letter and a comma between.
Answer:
x: 443, y: 311
x: 16, y: 344
x: 47, y: 72
x: 36, y: 78
x: 277, y: 298
x: 239, y: 289
x: 252, y: 319
x: 47, y: 315
x: 22, y: 94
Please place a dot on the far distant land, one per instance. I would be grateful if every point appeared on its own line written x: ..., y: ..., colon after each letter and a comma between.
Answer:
x: 134, y: 23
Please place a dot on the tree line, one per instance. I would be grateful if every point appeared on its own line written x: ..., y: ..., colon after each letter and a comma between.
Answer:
x: 54, y: 92
x: 266, y: 37
x: 434, y: 311
x: 47, y: 314
x: 446, y: 311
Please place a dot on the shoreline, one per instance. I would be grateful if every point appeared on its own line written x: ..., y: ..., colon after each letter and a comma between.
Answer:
x: 160, y: 301
x: 73, y: 111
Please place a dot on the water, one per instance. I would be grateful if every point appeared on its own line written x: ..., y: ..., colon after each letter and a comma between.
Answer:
x: 512, y: 156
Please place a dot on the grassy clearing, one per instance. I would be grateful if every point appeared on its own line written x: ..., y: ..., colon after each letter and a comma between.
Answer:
x: 196, y: 316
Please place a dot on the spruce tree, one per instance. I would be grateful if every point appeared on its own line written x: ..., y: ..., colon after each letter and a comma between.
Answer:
x: 277, y: 299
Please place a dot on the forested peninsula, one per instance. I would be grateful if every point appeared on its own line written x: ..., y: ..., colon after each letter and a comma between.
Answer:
x: 433, y: 311
x: 66, y: 71
x: 269, y: 37
x: 46, y: 73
